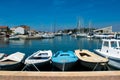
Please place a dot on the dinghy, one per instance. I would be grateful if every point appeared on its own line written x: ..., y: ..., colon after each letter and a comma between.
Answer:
x: 39, y: 59
x: 64, y: 60
x: 90, y: 59
x: 12, y: 61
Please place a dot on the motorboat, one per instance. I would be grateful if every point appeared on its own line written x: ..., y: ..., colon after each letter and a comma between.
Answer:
x: 14, y: 37
x: 82, y: 35
x: 110, y: 49
x: 104, y: 36
x: 48, y: 36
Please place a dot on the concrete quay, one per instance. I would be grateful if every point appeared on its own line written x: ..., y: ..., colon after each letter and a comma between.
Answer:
x: 25, y: 75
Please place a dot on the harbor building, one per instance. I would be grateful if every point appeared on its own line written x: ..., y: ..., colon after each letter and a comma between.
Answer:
x: 4, y: 32
x: 105, y: 30
x: 4, y: 29
x: 23, y: 29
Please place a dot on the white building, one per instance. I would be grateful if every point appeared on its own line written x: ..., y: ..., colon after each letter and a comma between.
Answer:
x: 19, y: 30
x: 104, y: 30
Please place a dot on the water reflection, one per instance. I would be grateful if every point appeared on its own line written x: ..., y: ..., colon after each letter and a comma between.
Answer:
x: 64, y: 43
x: 4, y: 43
x: 21, y: 42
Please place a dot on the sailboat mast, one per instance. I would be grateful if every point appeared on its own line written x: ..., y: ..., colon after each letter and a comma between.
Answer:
x: 89, y: 26
x: 79, y: 26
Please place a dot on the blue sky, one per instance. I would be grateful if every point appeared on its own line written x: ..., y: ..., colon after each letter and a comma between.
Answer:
x: 42, y: 14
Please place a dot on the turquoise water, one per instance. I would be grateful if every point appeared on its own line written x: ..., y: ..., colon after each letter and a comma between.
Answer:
x: 58, y: 43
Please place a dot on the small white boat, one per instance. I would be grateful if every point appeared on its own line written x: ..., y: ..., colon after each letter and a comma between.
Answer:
x: 81, y: 35
x: 104, y: 36
x: 39, y: 58
x: 29, y: 37
x: 14, y: 37
x: 74, y: 35
x: 12, y: 61
x: 91, y: 60
x: 90, y: 36
x: 111, y: 50
x: 48, y: 36
x: 58, y: 34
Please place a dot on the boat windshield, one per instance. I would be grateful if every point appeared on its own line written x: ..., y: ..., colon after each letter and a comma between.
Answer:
x: 119, y: 44
x: 113, y: 44
x: 106, y: 44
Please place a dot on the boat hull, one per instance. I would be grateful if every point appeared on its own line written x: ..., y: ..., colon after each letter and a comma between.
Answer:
x: 39, y: 65
x: 63, y: 66
x: 14, y: 38
x: 93, y: 66
x: 81, y: 35
x: 12, y: 67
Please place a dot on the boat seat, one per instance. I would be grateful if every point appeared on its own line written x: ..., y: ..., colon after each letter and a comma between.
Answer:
x: 41, y: 55
x: 84, y: 55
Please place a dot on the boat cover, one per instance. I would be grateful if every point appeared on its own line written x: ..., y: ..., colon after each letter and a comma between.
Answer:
x: 18, y: 56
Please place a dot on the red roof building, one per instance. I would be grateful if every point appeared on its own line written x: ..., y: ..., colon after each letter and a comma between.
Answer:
x: 4, y: 28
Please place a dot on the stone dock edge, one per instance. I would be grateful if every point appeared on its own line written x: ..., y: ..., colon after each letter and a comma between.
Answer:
x: 90, y: 75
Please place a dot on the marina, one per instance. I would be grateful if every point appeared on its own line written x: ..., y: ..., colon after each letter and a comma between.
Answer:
x: 56, y: 44
x: 60, y: 40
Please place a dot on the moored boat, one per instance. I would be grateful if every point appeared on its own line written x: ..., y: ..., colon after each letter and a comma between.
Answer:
x: 91, y: 60
x: 104, y: 36
x: 27, y: 37
x: 81, y: 35
x: 12, y: 61
x: 39, y: 58
x: 48, y: 36
x: 64, y: 60
x: 111, y: 50
x: 14, y: 37
x: 58, y: 34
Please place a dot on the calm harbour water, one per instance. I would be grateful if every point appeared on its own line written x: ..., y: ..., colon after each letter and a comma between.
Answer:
x: 58, y: 43
x: 63, y: 43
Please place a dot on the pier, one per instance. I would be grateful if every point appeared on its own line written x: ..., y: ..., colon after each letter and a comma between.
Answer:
x: 25, y: 75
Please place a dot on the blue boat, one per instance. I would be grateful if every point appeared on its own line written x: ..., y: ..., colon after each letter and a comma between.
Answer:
x: 64, y: 60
